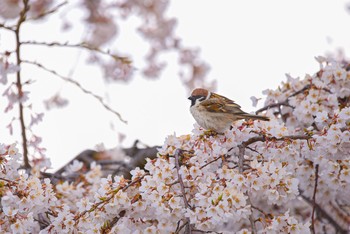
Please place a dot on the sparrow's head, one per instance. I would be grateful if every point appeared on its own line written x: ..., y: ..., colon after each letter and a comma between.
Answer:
x: 199, y: 95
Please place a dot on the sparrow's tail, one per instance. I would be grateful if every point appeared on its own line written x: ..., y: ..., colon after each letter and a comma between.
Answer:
x: 249, y: 116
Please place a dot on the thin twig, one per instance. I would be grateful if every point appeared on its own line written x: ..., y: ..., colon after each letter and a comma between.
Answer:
x: 201, y: 231
x: 254, y: 150
x: 258, y: 209
x: 21, y: 19
x: 11, y: 28
x: 214, y: 160
x: 105, y: 201
x: 314, y: 201
x: 116, y: 219
x: 77, y: 84
x: 284, y: 103
x: 325, y: 215
x: 306, y: 87
x: 182, y: 186
x: 180, y: 227
x: 82, y: 45
x: 263, y: 139
x: 53, y: 10
x: 9, y: 181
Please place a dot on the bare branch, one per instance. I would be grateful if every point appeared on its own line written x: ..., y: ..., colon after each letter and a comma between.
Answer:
x: 263, y: 139
x: 53, y: 10
x: 251, y: 149
x: 325, y: 215
x: 11, y: 28
x: 77, y: 84
x: 181, y: 227
x: 8, y: 181
x: 137, y: 157
x: 21, y: 19
x: 201, y: 231
x: 82, y: 45
x: 306, y: 87
x: 116, y: 219
x: 260, y: 210
x: 210, y: 162
x: 279, y: 104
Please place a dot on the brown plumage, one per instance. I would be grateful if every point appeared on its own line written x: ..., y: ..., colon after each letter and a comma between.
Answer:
x: 215, y: 112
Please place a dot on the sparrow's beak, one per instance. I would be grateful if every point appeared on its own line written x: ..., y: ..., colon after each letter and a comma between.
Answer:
x: 193, y: 100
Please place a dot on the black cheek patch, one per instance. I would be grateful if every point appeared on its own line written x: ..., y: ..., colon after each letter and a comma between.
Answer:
x: 193, y: 101
x: 194, y: 98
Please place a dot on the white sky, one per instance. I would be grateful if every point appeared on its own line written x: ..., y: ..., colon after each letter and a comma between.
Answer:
x: 249, y: 45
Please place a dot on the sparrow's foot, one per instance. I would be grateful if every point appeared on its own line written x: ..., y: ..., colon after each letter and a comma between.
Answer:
x: 210, y: 133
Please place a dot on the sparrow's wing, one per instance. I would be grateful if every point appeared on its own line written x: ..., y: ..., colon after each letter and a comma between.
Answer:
x: 225, y: 100
x: 220, y: 104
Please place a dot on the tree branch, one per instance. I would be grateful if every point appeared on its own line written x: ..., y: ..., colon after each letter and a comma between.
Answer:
x: 182, y: 186
x: 241, y: 169
x: 21, y: 19
x: 82, y: 45
x: 210, y: 162
x: 325, y: 215
x: 284, y: 103
x: 11, y: 28
x: 314, y: 201
x: 53, y: 10
x: 77, y: 84
x: 263, y: 139
x: 105, y: 201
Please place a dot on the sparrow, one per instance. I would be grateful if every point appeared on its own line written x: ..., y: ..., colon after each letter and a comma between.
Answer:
x: 215, y: 112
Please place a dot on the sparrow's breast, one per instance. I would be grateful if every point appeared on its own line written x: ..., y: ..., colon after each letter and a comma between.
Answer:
x: 210, y: 120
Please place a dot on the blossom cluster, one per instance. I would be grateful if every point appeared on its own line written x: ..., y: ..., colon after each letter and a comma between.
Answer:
x: 288, y: 175
x: 156, y: 28
x: 257, y: 177
x: 253, y: 177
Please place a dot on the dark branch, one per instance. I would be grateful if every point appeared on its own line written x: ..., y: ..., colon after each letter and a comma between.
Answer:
x: 21, y: 19
x: 279, y: 104
x: 11, y: 28
x: 53, y: 10
x: 182, y: 186
x: 263, y: 139
x: 210, y: 162
x: 314, y: 201
x: 325, y: 215
x: 79, y: 46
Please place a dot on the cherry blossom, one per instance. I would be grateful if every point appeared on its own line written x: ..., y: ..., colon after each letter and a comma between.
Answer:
x: 288, y: 175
